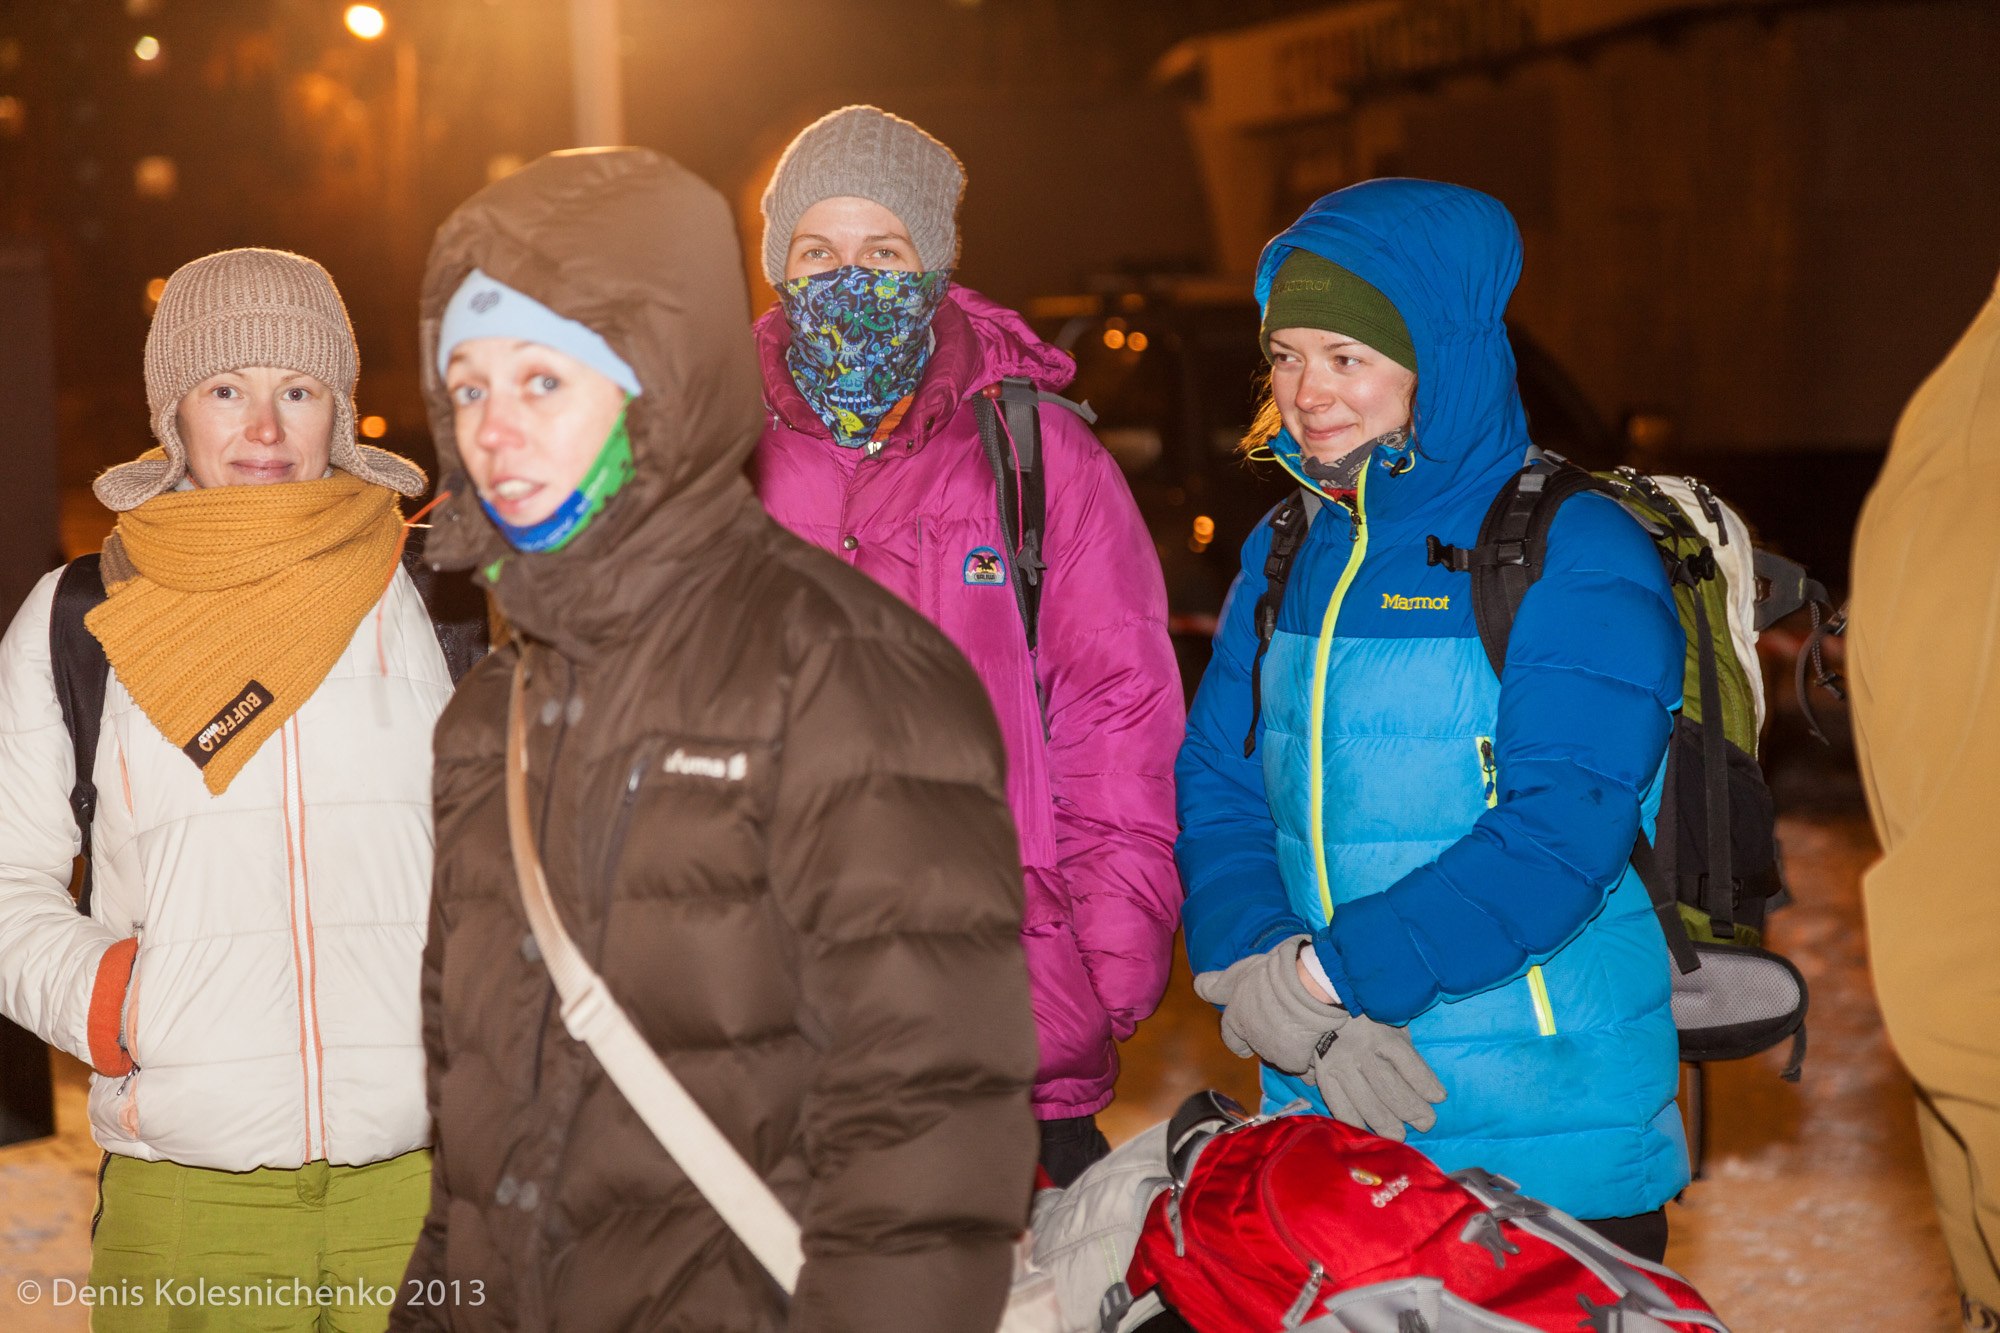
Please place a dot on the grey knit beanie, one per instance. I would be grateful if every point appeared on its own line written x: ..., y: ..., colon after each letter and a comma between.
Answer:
x: 866, y: 152
x: 236, y: 309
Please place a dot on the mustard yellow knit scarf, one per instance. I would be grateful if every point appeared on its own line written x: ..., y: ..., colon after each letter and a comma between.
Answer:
x: 229, y: 605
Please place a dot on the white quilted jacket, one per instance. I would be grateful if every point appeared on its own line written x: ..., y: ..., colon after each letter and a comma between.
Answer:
x: 273, y: 1010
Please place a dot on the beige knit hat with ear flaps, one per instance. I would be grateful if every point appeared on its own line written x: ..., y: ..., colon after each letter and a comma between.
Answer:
x: 242, y: 308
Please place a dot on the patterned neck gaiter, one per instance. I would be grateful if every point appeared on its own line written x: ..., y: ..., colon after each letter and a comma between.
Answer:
x: 860, y: 341
x: 1343, y: 474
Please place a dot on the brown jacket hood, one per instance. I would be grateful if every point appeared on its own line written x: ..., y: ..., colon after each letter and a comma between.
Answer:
x: 644, y: 253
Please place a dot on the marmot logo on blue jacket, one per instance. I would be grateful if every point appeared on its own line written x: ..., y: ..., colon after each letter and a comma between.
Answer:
x: 1395, y: 601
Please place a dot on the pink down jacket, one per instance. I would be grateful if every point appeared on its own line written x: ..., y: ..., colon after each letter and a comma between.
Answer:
x: 1093, y: 793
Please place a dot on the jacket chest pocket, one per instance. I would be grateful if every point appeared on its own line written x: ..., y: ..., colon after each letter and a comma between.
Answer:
x: 704, y: 782
x: 968, y: 592
x: 691, y: 939
x: 685, y: 806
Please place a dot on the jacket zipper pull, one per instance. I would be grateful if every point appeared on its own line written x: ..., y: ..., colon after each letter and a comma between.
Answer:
x: 125, y: 1004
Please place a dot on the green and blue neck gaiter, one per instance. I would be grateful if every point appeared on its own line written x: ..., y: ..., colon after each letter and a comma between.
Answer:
x: 606, y: 477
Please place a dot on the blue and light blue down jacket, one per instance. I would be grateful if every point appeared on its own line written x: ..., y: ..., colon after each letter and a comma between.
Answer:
x: 1457, y: 845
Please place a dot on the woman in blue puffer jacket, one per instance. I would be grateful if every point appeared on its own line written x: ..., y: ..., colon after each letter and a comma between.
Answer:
x: 1412, y: 897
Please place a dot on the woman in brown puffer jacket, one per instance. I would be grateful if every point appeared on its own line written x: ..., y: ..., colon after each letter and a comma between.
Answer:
x: 770, y: 805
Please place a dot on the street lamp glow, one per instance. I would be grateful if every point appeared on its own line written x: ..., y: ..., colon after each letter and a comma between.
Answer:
x: 365, y: 22
x: 147, y: 48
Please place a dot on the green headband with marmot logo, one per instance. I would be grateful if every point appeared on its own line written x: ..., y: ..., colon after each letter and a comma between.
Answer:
x: 1311, y: 292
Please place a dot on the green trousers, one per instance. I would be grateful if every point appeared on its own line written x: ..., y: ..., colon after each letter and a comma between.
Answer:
x: 321, y: 1249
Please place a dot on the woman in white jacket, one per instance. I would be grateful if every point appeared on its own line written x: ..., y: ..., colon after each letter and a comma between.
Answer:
x: 245, y: 985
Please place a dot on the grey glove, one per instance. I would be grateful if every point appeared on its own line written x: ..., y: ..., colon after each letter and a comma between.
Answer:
x: 1266, y: 1010
x: 1371, y: 1077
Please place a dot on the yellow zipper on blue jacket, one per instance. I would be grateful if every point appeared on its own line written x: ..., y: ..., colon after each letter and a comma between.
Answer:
x: 1538, y: 986
x: 1321, y: 654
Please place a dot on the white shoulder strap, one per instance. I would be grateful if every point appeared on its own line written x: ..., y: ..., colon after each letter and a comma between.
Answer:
x: 592, y: 1016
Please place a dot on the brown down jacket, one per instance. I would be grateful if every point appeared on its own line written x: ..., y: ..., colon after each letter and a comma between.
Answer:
x: 772, y: 811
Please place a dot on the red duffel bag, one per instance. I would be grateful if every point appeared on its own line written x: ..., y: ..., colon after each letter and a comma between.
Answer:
x: 1300, y: 1222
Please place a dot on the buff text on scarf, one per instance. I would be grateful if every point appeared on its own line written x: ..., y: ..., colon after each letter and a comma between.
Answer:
x: 860, y: 341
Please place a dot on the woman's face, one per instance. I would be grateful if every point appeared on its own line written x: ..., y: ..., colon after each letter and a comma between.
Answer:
x: 529, y: 422
x: 256, y: 426
x: 845, y: 230
x: 1335, y: 394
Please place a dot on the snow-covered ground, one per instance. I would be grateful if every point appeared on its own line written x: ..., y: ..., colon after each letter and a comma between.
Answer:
x: 48, y: 1191
x: 1815, y: 1216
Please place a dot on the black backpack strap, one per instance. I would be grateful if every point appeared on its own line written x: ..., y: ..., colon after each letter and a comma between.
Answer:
x: 1508, y: 558
x: 1814, y: 653
x: 1512, y: 546
x: 1019, y: 407
x: 1783, y: 586
x: 1006, y: 482
x: 456, y: 608
x: 1718, y: 889
x: 1659, y: 889
x: 1200, y: 1118
x: 27, y: 1089
x: 81, y: 676
x: 1715, y: 890
x: 1290, y: 522
x: 1010, y: 431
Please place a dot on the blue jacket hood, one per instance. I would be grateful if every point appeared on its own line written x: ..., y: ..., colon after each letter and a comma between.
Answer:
x: 1447, y: 258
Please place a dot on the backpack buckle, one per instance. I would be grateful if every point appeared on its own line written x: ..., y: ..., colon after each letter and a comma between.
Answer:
x: 1484, y: 1231
x: 1028, y: 561
x: 1697, y: 568
x: 1112, y: 1308
x: 1454, y: 558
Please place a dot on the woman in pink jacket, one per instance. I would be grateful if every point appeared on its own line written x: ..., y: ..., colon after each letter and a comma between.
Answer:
x: 872, y: 362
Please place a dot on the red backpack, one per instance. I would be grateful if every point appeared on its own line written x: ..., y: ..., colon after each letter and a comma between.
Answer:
x: 1300, y: 1222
